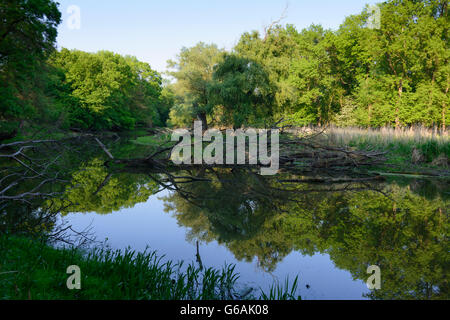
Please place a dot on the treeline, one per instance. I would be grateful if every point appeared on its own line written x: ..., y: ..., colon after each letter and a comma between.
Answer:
x: 394, y: 75
x: 69, y: 89
x: 105, y: 90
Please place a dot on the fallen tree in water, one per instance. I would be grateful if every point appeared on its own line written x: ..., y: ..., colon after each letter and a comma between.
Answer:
x: 31, y: 169
x: 294, y: 153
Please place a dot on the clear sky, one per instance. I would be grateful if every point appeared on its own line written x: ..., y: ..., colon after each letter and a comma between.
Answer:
x: 155, y: 30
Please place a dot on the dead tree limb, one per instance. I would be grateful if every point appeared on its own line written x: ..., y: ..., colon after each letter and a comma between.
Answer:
x: 269, y: 28
x: 104, y: 148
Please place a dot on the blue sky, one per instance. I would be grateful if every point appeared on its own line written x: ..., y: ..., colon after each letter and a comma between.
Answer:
x: 155, y: 31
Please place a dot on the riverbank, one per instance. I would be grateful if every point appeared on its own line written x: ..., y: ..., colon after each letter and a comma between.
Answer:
x: 32, y: 269
x: 412, y: 151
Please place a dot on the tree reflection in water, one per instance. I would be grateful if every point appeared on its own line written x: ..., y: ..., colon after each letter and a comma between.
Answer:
x: 399, y: 225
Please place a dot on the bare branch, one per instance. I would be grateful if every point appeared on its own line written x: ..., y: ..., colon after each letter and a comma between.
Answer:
x: 104, y: 148
x: 269, y: 28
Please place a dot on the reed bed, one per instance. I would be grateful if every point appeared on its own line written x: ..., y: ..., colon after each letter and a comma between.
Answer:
x: 386, y: 135
x: 414, y: 145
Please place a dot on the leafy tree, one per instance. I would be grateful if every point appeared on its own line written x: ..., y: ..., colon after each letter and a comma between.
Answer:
x: 311, y: 75
x: 27, y: 35
x: 405, y: 79
x: 299, y: 69
x: 395, y: 75
x: 241, y: 86
x: 165, y: 102
x: 28, y: 29
x: 275, y: 53
x: 113, y: 92
x: 193, y: 70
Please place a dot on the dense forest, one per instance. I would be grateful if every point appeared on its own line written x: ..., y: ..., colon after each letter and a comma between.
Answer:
x: 396, y: 75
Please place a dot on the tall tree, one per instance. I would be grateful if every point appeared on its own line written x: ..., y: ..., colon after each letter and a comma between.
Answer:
x: 193, y: 70
x: 242, y: 87
x: 113, y: 92
x: 27, y: 35
x: 311, y: 75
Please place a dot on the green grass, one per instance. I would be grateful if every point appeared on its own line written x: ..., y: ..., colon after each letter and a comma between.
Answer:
x: 30, y: 269
x: 279, y: 292
x: 152, y: 140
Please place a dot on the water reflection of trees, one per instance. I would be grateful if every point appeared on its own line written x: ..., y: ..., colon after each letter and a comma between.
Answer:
x: 41, y: 179
x: 362, y: 224
x: 94, y: 189
x: 401, y: 226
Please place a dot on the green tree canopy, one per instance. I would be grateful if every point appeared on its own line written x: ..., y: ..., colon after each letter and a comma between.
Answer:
x: 27, y: 36
x: 112, y: 91
x: 193, y: 70
x: 242, y: 88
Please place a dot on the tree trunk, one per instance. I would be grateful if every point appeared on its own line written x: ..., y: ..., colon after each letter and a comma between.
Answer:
x: 430, y: 100
x: 443, y: 118
x: 370, y: 104
x: 397, y: 110
x: 202, y: 117
x: 444, y: 106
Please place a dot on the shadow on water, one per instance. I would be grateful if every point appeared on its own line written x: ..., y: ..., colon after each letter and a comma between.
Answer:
x: 400, y: 225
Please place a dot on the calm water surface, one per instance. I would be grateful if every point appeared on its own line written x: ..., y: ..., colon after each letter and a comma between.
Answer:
x: 148, y: 225
x: 272, y: 228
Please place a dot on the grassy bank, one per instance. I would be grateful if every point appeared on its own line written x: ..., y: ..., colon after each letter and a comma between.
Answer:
x: 406, y: 149
x: 413, y: 149
x: 419, y: 149
x: 31, y: 269
x: 37, y: 131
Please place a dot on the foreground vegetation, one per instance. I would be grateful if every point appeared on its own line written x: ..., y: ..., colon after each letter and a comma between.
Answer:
x: 30, y: 269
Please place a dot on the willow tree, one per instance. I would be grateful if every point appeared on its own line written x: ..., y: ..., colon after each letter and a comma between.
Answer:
x: 193, y: 70
x: 242, y: 88
x: 275, y: 52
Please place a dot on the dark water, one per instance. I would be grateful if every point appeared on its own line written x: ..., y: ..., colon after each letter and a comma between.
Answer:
x: 270, y: 227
